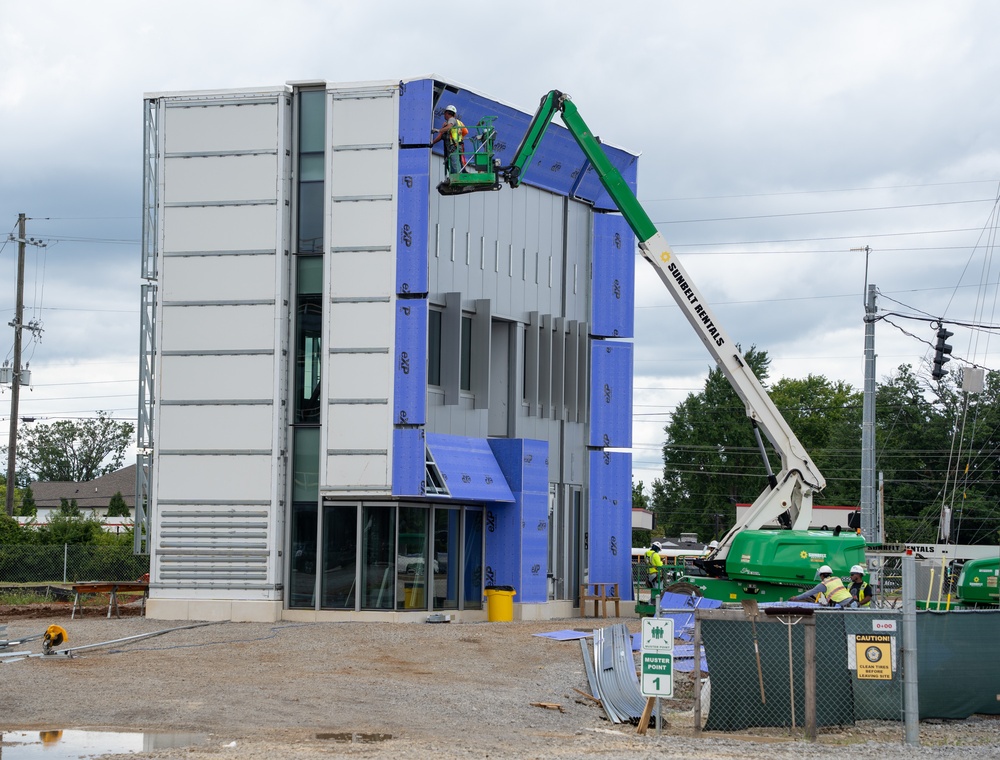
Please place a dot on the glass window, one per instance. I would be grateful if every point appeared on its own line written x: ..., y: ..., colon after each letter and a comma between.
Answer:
x: 434, y: 347
x: 308, y: 358
x: 378, y: 569
x: 466, y: 384
x: 447, y: 534
x: 302, y: 581
x: 472, y: 574
x: 340, y: 546
x: 411, y: 567
x: 305, y: 464
x: 312, y: 150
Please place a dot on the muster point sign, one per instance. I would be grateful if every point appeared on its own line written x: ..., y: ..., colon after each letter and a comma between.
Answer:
x: 874, y: 656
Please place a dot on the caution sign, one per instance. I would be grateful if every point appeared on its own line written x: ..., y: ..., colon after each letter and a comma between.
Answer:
x: 874, y: 656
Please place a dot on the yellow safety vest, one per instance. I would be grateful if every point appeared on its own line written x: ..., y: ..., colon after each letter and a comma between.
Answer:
x: 835, y: 590
x: 654, y: 561
x: 458, y: 131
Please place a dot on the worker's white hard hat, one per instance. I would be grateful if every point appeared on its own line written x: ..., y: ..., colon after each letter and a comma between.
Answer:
x: 450, y: 108
x: 655, y: 546
x: 713, y: 545
x: 857, y: 569
x: 825, y: 570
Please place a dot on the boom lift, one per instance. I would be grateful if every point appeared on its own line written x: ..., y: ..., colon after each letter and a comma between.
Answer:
x: 765, y: 565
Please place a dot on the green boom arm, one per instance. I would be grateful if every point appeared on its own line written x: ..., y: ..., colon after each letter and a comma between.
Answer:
x: 791, y: 489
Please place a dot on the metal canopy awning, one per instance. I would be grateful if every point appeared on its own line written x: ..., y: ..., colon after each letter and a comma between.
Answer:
x: 469, y: 471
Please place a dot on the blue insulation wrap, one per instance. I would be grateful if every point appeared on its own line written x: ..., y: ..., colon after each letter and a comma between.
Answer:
x: 614, y: 277
x: 558, y: 164
x: 415, y: 103
x: 411, y: 220
x: 469, y: 468
x: 410, y: 370
x: 408, y: 462
x: 611, y: 394
x: 534, y: 547
x: 610, y: 529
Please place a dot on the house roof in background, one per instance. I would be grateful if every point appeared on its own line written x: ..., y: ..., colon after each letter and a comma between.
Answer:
x: 91, y: 494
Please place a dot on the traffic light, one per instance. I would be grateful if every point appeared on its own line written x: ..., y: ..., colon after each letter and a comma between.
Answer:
x: 941, y: 351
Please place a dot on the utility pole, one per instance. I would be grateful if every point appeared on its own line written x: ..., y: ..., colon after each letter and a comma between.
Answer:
x: 869, y: 503
x: 15, y: 392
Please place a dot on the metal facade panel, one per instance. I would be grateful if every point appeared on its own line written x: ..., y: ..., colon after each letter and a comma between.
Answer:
x: 362, y: 172
x: 469, y: 468
x: 356, y: 472
x: 614, y: 277
x: 359, y: 426
x: 362, y: 224
x: 410, y: 366
x: 408, y: 462
x: 360, y: 272
x: 364, y: 117
x: 415, y: 102
x: 220, y: 178
x: 220, y: 228
x: 217, y: 278
x: 213, y: 478
x: 359, y: 376
x: 216, y: 128
x: 412, y: 234
x: 231, y: 378
x: 611, y: 394
x: 610, y: 526
x: 225, y: 328
x: 361, y: 324
x: 558, y: 160
x: 208, y: 427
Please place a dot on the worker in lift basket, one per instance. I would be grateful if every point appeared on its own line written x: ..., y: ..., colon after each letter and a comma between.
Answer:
x: 654, y: 564
x: 861, y: 592
x: 830, y: 586
x: 452, y: 132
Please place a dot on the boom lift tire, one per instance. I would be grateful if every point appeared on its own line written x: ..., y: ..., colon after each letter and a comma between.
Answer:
x: 683, y: 587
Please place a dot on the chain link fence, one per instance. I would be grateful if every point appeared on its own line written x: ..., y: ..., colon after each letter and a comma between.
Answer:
x: 787, y: 670
x: 69, y: 563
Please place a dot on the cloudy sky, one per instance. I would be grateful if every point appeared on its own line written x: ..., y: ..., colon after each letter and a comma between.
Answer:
x: 776, y: 138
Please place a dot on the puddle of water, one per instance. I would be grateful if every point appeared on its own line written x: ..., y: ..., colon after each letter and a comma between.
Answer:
x: 73, y: 744
x: 354, y: 737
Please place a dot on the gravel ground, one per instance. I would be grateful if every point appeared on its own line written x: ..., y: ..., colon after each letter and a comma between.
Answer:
x: 291, y: 690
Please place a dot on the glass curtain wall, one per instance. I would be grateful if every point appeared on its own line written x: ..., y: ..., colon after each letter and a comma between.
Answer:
x: 340, y: 553
x: 308, y: 263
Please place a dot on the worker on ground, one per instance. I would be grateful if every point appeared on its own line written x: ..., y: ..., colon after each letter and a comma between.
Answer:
x: 653, y: 563
x: 452, y: 132
x: 861, y: 592
x: 830, y: 586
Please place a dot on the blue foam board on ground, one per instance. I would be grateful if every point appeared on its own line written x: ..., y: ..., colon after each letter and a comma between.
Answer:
x: 566, y: 635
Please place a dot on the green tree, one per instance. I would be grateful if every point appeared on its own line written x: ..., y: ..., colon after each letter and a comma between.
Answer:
x: 27, y: 507
x: 640, y: 536
x: 63, y: 528
x: 69, y: 508
x: 75, y: 450
x: 117, y: 506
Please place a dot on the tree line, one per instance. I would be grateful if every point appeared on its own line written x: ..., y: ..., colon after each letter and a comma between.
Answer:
x: 934, y: 444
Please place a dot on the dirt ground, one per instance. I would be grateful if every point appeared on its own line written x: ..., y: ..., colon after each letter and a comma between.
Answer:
x: 254, y: 690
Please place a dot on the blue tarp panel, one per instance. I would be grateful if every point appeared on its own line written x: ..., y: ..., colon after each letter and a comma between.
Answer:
x: 611, y: 394
x: 410, y: 370
x: 469, y: 468
x: 558, y: 164
x: 612, y: 311
x: 684, y: 621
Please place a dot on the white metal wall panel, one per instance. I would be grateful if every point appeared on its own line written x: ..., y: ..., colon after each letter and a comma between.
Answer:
x: 217, y: 278
x: 214, y: 478
x: 363, y: 173
x: 368, y: 272
x: 360, y: 376
x: 224, y: 327
x: 195, y: 378
x: 362, y: 117
x: 216, y: 128
x: 219, y: 228
x: 209, y: 427
x: 219, y: 178
x: 353, y: 472
x: 361, y: 325
x: 350, y: 426
x: 363, y: 224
